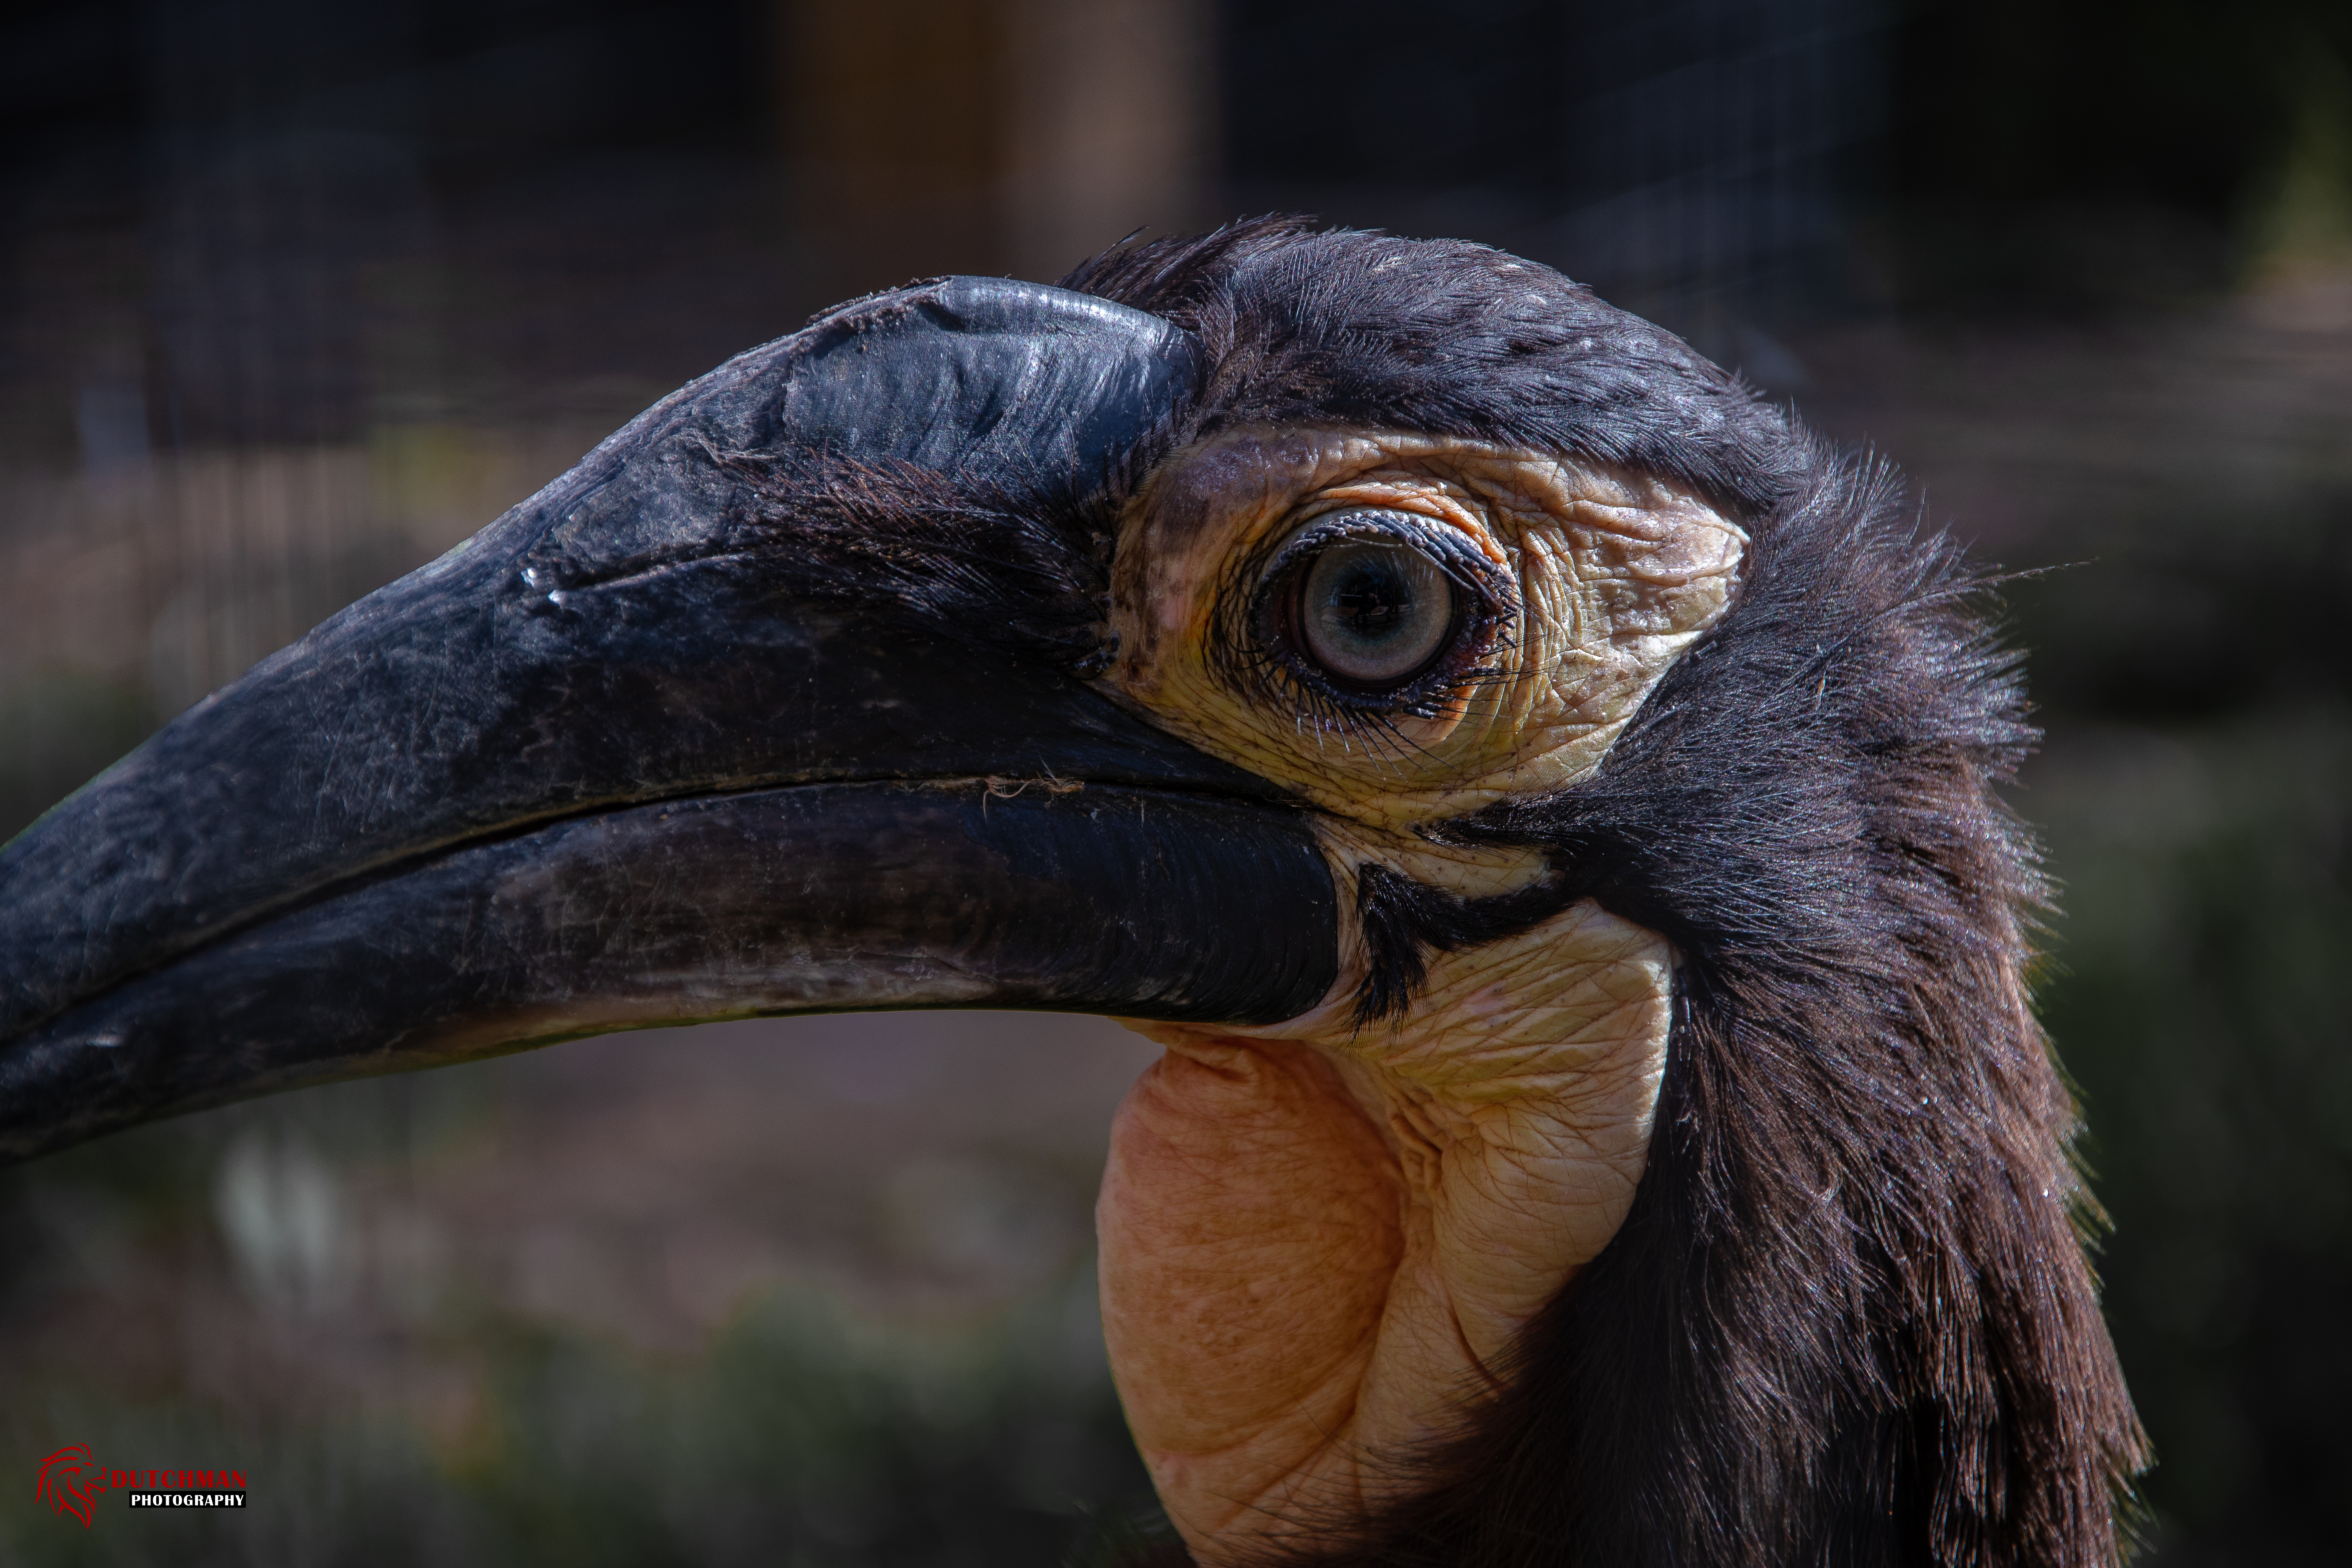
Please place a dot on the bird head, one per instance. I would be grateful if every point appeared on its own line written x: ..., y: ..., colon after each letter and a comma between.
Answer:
x: 1544, y: 800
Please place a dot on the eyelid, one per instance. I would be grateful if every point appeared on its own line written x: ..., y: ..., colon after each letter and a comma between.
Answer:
x: 1453, y: 552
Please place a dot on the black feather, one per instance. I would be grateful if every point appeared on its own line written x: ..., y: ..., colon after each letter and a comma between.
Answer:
x: 1403, y: 922
x: 1443, y: 337
x: 1849, y: 1321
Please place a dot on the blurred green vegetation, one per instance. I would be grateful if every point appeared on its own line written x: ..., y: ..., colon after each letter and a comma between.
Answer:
x: 463, y: 1428
x: 794, y: 1439
x: 2204, y: 1002
x: 60, y: 726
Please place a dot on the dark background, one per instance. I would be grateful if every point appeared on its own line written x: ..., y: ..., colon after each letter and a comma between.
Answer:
x: 294, y: 296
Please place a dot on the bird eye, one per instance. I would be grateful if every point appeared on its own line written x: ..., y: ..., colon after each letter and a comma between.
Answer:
x: 1380, y: 609
x: 1374, y: 614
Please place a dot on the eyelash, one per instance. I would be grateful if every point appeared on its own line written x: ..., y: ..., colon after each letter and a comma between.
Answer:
x: 1257, y: 660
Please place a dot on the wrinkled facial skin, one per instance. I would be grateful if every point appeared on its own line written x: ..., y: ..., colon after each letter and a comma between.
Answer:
x: 1615, y: 574
x: 1318, y: 1238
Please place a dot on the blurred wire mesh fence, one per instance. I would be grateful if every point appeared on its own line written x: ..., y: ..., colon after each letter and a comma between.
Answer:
x: 295, y: 298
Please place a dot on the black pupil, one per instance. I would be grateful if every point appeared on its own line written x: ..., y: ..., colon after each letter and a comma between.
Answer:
x: 1373, y: 600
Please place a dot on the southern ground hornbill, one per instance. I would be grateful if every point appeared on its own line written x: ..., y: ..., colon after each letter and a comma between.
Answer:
x: 1542, y: 798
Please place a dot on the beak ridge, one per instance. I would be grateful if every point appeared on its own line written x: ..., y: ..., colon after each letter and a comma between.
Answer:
x: 610, y: 662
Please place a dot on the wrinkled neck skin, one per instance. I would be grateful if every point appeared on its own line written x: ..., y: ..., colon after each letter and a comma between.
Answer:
x: 1318, y: 1243
x: 1320, y: 1240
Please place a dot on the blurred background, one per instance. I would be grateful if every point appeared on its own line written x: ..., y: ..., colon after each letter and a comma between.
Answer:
x: 293, y: 296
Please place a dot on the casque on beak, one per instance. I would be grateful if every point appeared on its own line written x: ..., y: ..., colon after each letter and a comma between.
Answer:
x: 633, y: 757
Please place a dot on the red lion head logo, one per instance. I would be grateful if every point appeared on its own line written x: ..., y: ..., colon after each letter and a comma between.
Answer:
x: 65, y: 1477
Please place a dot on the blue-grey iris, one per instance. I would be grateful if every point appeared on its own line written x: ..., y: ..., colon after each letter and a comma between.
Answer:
x: 1374, y: 614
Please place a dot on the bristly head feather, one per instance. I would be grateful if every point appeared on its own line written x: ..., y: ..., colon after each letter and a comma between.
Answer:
x: 1849, y: 1320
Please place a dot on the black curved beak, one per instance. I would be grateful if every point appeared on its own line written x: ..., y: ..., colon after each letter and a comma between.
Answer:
x: 775, y: 703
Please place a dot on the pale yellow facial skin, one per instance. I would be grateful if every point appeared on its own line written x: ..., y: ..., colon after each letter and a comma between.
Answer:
x: 1318, y: 1240
x: 1617, y: 575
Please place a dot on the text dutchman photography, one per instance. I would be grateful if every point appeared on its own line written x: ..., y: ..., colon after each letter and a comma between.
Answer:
x: 72, y: 1481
